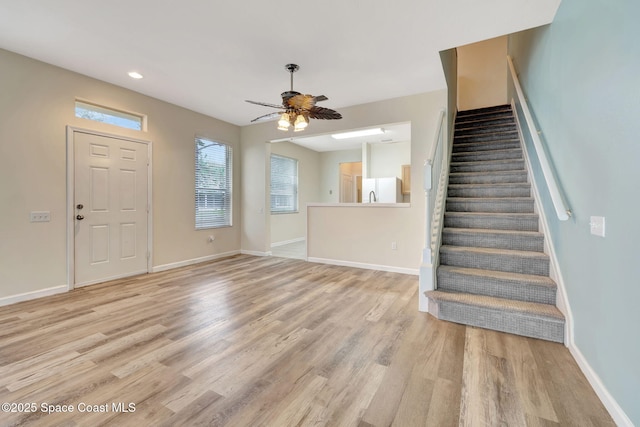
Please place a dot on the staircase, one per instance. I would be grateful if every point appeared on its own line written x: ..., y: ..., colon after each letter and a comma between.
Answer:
x: 493, y: 272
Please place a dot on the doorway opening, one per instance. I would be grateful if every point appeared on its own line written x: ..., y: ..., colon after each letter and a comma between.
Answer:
x: 351, y: 182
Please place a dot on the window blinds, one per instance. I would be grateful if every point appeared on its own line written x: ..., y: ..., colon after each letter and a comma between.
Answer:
x: 284, y: 184
x: 213, y: 184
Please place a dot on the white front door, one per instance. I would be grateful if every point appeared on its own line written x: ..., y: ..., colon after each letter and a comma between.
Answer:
x: 110, y: 208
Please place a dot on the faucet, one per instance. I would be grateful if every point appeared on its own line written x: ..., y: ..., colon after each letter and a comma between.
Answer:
x: 374, y: 196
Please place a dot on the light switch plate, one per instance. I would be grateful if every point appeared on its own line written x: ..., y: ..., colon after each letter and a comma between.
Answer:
x: 597, y: 225
x: 40, y: 216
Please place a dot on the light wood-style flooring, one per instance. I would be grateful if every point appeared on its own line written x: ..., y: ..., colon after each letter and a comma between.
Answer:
x: 250, y: 341
x: 297, y: 250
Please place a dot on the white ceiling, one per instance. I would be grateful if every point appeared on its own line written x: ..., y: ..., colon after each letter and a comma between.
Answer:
x: 209, y: 56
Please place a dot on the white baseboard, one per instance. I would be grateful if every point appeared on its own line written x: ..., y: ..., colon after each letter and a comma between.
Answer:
x: 619, y: 417
x: 255, y: 253
x: 389, y: 268
x: 185, y: 263
x: 33, y: 295
x: 286, y: 242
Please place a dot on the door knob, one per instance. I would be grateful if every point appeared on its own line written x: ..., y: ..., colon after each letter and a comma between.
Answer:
x: 79, y: 217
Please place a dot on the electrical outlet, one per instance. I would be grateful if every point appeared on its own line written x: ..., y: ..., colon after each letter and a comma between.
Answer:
x: 212, y: 238
x: 597, y: 225
x: 40, y: 216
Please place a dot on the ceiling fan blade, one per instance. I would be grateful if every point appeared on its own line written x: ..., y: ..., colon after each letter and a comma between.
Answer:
x: 324, y: 113
x: 320, y: 98
x: 268, y: 116
x: 266, y: 104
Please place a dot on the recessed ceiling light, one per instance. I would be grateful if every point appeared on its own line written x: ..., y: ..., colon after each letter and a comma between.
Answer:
x: 357, y: 133
x: 135, y: 75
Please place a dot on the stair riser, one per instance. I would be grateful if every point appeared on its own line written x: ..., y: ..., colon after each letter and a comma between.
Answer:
x: 485, y: 146
x: 507, y: 263
x: 496, y: 241
x: 494, y: 206
x: 505, y: 191
x: 497, y: 109
x: 514, y: 323
x: 466, y: 123
x: 495, y: 223
x: 481, y: 130
x: 492, y: 178
x: 466, y: 139
x: 487, y: 167
x: 477, y: 156
x: 489, y: 286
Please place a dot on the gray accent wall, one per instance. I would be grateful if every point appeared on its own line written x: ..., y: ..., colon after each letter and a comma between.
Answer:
x: 581, y: 75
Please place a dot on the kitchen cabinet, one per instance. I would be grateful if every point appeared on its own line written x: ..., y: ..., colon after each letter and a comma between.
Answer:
x: 406, y: 179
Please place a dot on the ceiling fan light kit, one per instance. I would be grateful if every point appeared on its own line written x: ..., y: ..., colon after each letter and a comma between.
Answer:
x: 298, y: 108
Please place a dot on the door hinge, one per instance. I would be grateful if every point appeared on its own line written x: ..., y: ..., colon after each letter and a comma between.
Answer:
x: 148, y: 255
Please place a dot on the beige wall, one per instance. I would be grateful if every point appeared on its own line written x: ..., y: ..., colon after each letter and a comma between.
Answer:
x: 482, y: 74
x: 330, y: 172
x: 292, y: 226
x: 421, y: 110
x: 387, y: 159
x: 36, y: 105
x: 363, y: 236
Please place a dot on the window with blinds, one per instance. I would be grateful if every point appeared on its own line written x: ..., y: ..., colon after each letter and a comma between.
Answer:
x: 284, y: 184
x: 213, y: 184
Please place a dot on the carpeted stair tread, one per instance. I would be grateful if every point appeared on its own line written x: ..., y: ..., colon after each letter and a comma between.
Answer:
x: 494, y: 109
x: 530, y: 234
x: 488, y: 165
x: 483, y: 137
x: 490, y: 204
x: 487, y: 120
x: 489, y: 199
x: 491, y: 185
x: 498, y: 284
x: 502, y: 154
x: 485, y: 128
x: 476, y: 147
x: 488, y: 178
x: 530, y: 308
x: 490, y: 190
x: 494, y: 251
x: 492, y: 220
x: 488, y: 162
x: 509, y: 260
x: 493, y: 238
x: 501, y: 275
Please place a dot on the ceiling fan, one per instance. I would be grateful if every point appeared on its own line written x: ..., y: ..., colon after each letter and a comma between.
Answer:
x: 298, y: 108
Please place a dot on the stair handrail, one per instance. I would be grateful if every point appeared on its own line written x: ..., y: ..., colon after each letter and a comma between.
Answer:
x: 562, y: 211
x: 432, y: 173
x: 434, y: 176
